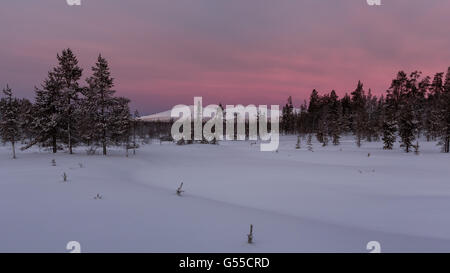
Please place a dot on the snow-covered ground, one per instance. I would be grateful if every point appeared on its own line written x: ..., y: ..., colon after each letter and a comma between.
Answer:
x: 335, y: 199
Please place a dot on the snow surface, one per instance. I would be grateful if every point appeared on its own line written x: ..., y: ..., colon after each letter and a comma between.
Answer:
x: 335, y: 199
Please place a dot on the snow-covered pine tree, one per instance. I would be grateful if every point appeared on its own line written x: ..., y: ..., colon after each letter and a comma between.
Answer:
x: 346, y: 104
x: 69, y: 72
x: 9, y: 119
x: 445, y: 113
x: 389, y: 137
x: 313, y: 110
x: 371, y: 131
x: 407, y: 124
x: 359, y: 113
x: 87, y: 130
x: 433, y: 116
x: 101, y: 101
x: 335, y: 117
x: 391, y: 110
x: 323, y: 120
x: 120, y: 122
x: 419, y: 104
x: 46, y: 124
x: 378, y: 119
x: 288, y: 116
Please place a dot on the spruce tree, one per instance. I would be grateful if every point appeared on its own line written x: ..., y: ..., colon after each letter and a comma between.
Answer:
x: 335, y: 117
x: 433, y: 113
x: 406, y: 126
x: 9, y: 119
x: 445, y: 114
x: 391, y: 109
x: 288, y: 117
x: 69, y: 73
x: 120, y: 122
x: 313, y: 110
x: 407, y: 123
x: 101, y: 101
x: 389, y: 136
x: 359, y: 114
x: 48, y: 113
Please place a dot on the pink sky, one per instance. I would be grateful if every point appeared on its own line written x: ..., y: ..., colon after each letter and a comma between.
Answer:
x: 163, y: 53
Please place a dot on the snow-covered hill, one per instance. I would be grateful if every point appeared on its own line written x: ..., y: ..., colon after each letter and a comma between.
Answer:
x: 165, y: 115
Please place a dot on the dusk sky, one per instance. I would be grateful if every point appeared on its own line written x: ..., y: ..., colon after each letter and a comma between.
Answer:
x: 165, y: 52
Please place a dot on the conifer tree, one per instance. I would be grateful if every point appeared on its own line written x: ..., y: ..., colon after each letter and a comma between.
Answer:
x: 26, y: 119
x: 48, y: 113
x: 407, y: 124
x: 69, y: 73
x: 359, y: 114
x: 288, y: 116
x: 433, y: 116
x: 120, y: 122
x: 313, y: 110
x: 445, y: 114
x: 101, y: 101
x: 391, y: 110
x: 335, y: 117
x: 9, y: 119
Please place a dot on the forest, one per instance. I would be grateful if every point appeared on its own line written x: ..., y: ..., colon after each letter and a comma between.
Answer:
x: 412, y: 107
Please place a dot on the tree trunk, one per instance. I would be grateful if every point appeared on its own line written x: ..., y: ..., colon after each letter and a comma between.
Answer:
x: 13, y: 149
x: 134, y: 138
x: 447, y: 145
x: 54, y: 145
x: 70, y: 139
x: 104, y: 147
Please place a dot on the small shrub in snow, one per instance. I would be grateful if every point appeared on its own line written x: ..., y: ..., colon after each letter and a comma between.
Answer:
x: 98, y: 196
x: 53, y: 162
x: 250, y: 235
x: 81, y: 165
x: 179, y: 190
x: 65, y: 177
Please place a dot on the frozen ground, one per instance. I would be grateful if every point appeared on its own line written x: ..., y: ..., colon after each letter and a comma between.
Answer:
x: 335, y: 199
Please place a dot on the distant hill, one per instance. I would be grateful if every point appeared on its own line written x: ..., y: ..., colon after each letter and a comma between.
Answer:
x: 165, y: 115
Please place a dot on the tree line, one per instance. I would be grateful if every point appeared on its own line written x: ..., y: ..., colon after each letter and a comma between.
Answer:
x: 412, y: 107
x: 66, y: 113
